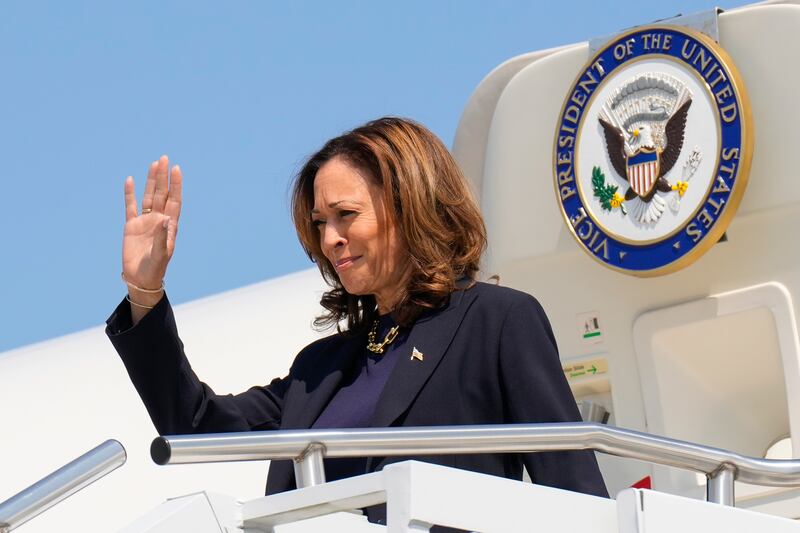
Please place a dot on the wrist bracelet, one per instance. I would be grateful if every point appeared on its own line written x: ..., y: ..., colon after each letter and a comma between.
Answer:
x: 127, y: 297
x: 142, y: 289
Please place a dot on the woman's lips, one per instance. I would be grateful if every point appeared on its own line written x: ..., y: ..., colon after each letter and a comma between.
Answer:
x: 346, y: 262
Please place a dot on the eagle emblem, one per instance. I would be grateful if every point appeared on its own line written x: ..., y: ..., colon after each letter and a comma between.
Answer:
x: 643, y: 123
x: 651, y: 155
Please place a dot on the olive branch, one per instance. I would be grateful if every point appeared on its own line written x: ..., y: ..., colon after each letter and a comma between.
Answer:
x: 607, y: 194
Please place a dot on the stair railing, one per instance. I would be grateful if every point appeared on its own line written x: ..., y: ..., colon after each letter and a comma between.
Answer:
x: 61, y: 484
x: 307, y: 448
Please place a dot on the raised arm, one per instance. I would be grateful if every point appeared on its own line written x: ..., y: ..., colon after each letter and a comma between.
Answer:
x: 177, y: 401
x: 149, y: 237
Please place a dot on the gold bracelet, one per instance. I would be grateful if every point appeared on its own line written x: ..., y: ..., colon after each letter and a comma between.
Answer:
x: 128, y: 297
x: 141, y: 289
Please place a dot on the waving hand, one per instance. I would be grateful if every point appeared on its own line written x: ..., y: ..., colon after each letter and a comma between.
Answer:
x: 149, y: 238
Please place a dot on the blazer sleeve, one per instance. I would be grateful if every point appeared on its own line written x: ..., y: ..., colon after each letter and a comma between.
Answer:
x: 536, y: 390
x: 176, y: 400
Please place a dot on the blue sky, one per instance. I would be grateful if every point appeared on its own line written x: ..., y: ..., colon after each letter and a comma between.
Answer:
x: 237, y: 93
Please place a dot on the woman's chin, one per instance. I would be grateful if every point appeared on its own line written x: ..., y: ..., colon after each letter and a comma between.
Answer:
x: 354, y: 288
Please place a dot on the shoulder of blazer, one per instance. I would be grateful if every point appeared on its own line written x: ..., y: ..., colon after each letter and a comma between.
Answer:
x: 319, y: 352
x: 494, y: 306
x: 502, y: 298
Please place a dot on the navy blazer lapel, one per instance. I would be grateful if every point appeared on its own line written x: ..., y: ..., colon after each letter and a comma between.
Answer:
x: 333, y: 366
x: 430, y: 335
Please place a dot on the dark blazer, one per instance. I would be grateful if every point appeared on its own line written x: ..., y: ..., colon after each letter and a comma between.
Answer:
x: 489, y: 357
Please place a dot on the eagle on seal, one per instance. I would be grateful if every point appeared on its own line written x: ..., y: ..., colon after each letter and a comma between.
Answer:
x: 643, y: 158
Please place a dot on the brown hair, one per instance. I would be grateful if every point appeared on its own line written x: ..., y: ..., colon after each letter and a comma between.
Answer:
x: 432, y: 207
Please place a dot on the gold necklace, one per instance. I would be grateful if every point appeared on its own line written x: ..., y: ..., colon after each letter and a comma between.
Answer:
x: 390, y: 336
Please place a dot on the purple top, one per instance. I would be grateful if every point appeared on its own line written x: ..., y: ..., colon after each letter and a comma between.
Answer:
x: 354, y: 403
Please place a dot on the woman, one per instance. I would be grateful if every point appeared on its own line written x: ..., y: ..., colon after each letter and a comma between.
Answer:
x: 387, y: 216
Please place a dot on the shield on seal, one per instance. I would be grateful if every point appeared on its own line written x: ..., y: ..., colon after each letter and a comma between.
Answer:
x: 643, y: 167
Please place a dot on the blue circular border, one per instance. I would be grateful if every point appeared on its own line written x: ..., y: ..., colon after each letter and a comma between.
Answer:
x: 653, y: 256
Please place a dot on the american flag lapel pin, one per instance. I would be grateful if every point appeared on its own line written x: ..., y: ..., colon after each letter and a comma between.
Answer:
x: 416, y: 354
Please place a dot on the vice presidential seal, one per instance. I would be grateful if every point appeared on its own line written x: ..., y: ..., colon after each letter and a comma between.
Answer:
x: 653, y: 150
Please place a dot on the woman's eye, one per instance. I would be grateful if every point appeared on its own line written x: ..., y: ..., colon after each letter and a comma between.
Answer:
x: 317, y: 223
x: 345, y: 212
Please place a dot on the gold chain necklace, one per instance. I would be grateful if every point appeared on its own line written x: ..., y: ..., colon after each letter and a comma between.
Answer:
x: 390, y: 336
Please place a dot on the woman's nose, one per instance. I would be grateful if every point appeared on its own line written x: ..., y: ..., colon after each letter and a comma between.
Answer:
x: 333, y: 237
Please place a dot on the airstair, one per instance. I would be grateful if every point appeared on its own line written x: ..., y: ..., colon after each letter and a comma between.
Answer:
x: 419, y: 496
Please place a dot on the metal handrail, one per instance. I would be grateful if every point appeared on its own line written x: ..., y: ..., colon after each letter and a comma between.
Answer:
x: 61, y: 484
x: 307, y: 447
